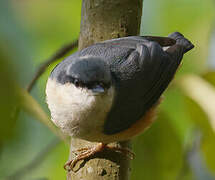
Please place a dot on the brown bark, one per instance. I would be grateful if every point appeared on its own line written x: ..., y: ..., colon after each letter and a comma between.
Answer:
x: 102, y: 20
x: 107, y: 19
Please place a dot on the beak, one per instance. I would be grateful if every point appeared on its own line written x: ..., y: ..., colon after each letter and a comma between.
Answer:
x: 98, y: 89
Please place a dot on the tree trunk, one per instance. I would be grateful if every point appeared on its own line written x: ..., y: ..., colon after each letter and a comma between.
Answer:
x: 102, y: 20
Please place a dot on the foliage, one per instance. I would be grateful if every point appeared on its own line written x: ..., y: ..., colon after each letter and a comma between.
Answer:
x: 33, y: 30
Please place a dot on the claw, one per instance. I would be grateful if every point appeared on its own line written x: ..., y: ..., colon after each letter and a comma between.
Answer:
x: 86, y: 152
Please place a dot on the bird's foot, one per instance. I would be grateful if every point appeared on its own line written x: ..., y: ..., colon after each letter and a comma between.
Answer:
x: 125, y: 151
x: 83, y: 154
x: 87, y: 152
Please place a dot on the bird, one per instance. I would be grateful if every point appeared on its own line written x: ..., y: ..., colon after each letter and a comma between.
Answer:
x: 109, y: 91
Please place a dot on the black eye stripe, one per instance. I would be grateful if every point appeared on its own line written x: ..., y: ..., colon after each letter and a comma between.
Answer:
x: 78, y: 83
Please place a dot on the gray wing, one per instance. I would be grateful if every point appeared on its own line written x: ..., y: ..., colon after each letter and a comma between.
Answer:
x: 141, y: 71
x: 131, y: 41
x: 119, y: 49
x: 141, y: 79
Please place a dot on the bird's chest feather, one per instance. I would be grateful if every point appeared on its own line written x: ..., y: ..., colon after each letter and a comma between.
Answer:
x: 77, y: 111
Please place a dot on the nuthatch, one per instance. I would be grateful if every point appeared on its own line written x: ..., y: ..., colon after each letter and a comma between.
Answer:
x: 108, y: 92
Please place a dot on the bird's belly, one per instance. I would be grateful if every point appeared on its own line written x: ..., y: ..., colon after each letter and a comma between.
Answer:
x: 88, y: 124
x: 76, y: 111
x: 80, y: 122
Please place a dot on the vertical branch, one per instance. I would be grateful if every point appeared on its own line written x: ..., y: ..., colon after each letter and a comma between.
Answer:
x: 102, y: 20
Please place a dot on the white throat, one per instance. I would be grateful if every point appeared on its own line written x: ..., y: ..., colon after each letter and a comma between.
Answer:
x: 77, y: 111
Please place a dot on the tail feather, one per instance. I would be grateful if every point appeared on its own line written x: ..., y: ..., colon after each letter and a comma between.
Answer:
x: 182, y: 41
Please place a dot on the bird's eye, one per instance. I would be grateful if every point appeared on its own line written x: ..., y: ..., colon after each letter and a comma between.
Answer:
x: 76, y: 82
x: 102, y: 84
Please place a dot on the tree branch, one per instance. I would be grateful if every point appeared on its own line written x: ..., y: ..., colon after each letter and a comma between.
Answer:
x: 102, y: 20
x: 57, y: 55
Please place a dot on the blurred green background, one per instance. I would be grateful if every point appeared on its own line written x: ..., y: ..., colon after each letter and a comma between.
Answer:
x: 179, y: 145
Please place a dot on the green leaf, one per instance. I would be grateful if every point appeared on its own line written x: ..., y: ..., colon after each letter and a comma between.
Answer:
x: 210, y: 77
x: 159, y: 152
x: 8, y: 98
x: 201, y: 107
x: 31, y: 106
x: 202, y: 93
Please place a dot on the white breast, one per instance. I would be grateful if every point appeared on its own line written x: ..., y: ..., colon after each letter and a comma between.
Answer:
x: 77, y: 111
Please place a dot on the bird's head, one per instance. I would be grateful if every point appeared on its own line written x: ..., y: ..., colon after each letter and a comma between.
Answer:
x: 86, y: 73
x: 77, y: 91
